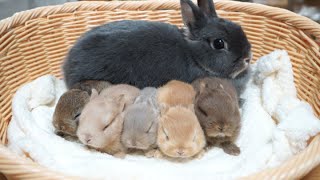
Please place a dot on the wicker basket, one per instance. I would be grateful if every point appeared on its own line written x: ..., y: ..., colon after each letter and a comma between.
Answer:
x: 34, y: 43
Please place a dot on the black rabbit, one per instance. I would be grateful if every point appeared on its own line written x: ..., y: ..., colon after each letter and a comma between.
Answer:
x: 144, y: 53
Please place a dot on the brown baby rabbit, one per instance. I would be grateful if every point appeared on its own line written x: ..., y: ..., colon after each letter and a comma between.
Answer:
x: 180, y: 134
x: 67, y: 112
x: 216, y: 106
x: 70, y: 105
x: 176, y: 93
x: 141, y: 122
x: 101, y: 121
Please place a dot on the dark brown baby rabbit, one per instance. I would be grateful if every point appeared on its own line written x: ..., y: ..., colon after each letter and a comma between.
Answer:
x: 67, y: 112
x: 70, y: 105
x: 216, y: 106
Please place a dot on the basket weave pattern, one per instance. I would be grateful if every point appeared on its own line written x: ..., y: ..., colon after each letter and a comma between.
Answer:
x: 34, y: 43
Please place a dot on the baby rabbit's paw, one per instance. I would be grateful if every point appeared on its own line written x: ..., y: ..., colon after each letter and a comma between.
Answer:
x: 230, y: 148
x: 120, y: 155
x: 151, y: 153
x: 158, y: 154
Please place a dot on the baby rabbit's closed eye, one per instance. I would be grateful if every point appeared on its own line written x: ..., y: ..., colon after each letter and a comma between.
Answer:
x: 216, y: 106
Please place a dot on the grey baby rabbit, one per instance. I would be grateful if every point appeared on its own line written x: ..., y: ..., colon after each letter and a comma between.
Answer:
x: 216, y: 106
x: 141, y: 122
x: 70, y: 105
x: 145, y: 53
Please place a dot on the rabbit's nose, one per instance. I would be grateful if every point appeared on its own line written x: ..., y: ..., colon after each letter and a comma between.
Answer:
x: 220, y: 128
x: 87, y: 138
x: 180, y: 152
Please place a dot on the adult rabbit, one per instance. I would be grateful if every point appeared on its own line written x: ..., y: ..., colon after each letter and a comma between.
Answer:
x: 144, y: 53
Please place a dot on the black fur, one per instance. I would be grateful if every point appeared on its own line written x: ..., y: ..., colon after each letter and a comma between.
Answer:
x: 143, y: 53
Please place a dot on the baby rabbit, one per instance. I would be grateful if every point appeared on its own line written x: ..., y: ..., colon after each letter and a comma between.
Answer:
x: 146, y: 53
x: 141, y: 122
x: 70, y: 105
x: 180, y: 134
x: 216, y: 106
x: 67, y: 112
x: 101, y: 121
x: 176, y: 93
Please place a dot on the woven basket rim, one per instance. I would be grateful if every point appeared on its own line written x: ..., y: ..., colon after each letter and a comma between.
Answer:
x: 21, y: 18
x: 283, y: 15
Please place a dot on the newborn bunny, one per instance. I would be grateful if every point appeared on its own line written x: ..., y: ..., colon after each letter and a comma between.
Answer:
x: 147, y: 53
x: 67, y: 112
x: 141, y: 122
x: 176, y: 93
x: 101, y: 121
x: 70, y: 105
x: 217, y: 109
x: 180, y: 134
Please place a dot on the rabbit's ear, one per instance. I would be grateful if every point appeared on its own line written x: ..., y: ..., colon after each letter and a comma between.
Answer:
x: 203, y: 86
x: 207, y: 7
x: 94, y: 94
x: 192, y: 15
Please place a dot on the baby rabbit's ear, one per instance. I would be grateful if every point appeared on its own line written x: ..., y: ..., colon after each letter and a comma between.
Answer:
x: 192, y: 16
x: 163, y: 109
x: 207, y: 7
x: 191, y: 107
x: 121, y: 102
x: 203, y: 86
x: 94, y: 94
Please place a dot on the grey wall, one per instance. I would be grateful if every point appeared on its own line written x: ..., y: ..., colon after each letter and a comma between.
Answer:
x: 9, y: 7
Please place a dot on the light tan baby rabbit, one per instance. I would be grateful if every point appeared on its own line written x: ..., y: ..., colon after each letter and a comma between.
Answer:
x: 179, y: 133
x: 101, y: 121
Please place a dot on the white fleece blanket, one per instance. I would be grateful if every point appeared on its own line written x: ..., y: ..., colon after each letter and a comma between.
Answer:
x: 275, y: 126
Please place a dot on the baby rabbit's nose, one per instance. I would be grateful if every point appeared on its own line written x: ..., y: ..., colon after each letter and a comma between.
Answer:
x: 87, y: 138
x: 180, y: 152
x: 220, y: 128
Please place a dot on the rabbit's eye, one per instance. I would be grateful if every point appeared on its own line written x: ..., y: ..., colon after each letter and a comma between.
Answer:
x: 165, y: 133
x: 217, y: 44
x: 149, y: 128
x: 77, y: 116
x: 202, y: 111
